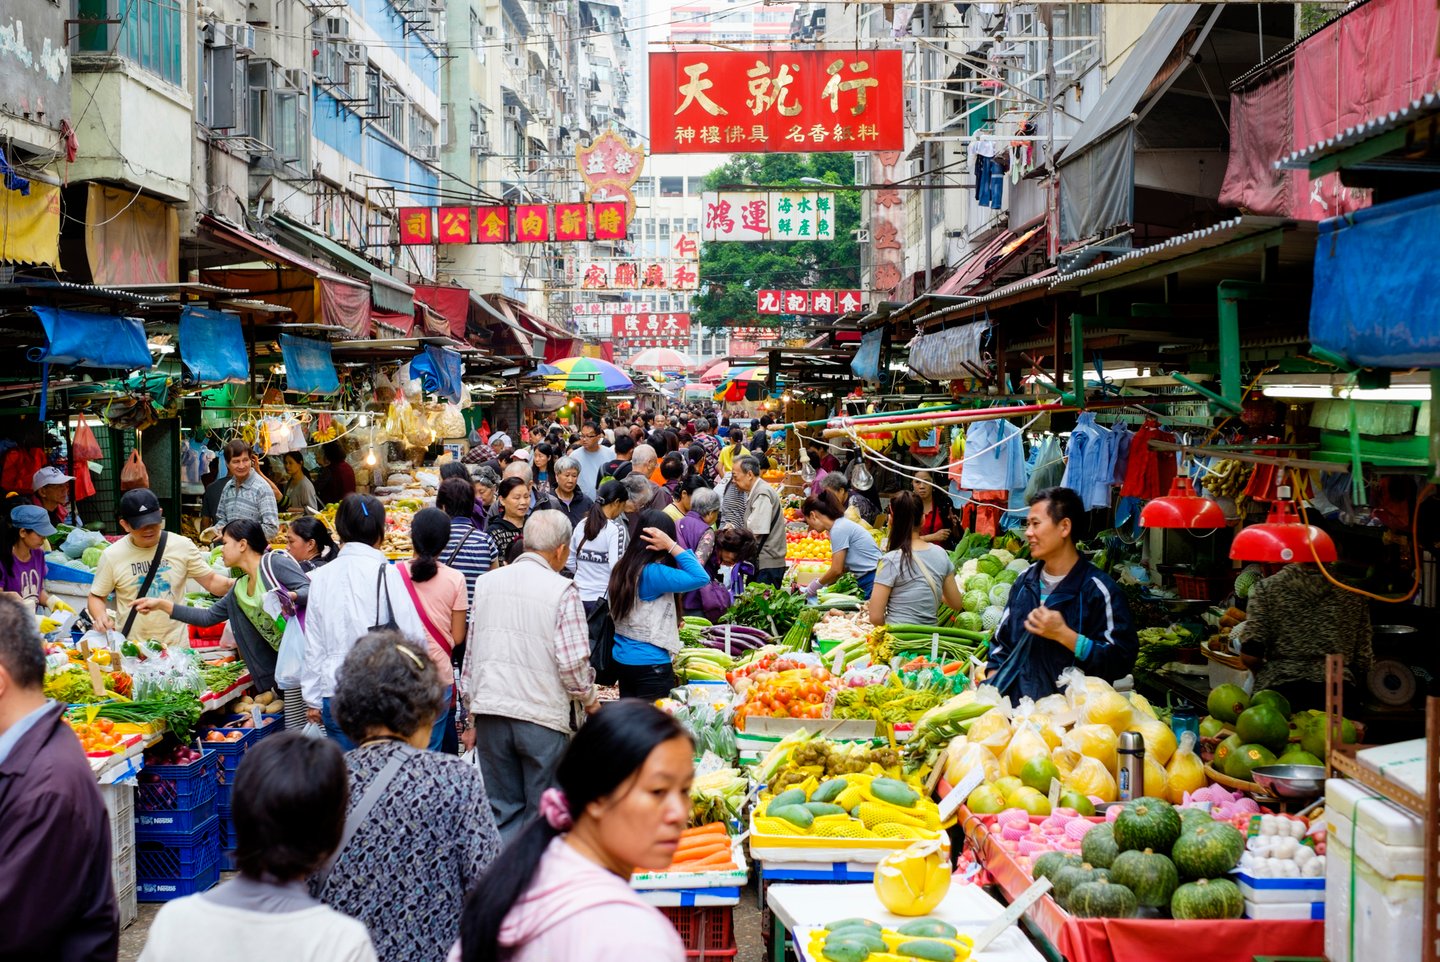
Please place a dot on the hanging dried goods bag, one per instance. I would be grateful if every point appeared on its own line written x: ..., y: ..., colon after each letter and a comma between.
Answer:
x: 134, y: 474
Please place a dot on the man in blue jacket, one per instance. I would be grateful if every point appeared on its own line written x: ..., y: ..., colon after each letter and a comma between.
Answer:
x: 1063, y: 611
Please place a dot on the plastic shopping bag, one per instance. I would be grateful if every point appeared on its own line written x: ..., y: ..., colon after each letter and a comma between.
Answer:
x: 84, y: 446
x: 290, y: 662
x: 134, y: 474
x: 313, y: 730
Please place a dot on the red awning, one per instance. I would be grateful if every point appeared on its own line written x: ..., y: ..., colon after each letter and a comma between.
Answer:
x: 989, y: 259
x: 451, y: 303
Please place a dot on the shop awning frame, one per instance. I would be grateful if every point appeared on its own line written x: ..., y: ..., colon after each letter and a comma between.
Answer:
x: 386, y: 293
x: 1366, y: 146
x: 267, y: 250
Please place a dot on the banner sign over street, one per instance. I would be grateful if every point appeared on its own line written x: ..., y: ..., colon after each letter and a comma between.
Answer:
x: 808, y: 302
x: 651, y: 330
x: 531, y: 223
x: 758, y: 215
x: 776, y: 101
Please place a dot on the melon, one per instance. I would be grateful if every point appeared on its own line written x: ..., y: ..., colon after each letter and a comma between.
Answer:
x: 1263, y: 725
x: 1145, y: 823
x: 1215, y: 898
x: 1038, y: 772
x: 1271, y: 697
x: 1080, y: 804
x: 1247, y: 758
x: 1223, y: 751
x: 1227, y: 702
x: 1150, y: 875
x: 1100, y: 900
x: 1208, y: 851
x: 990, y: 617
x: 1211, y: 727
x: 1098, y: 846
x: 1295, y: 755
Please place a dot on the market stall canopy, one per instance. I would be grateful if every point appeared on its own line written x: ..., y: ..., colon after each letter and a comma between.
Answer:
x: 386, y: 293
x: 86, y: 339
x: 212, y: 346
x: 661, y: 359
x: 743, y: 384
x: 588, y: 374
x: 309, y: 366
x: 715, y: 372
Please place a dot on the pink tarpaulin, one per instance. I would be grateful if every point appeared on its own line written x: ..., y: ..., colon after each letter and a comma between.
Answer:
x: 347, y: 306
x: 1377, y: 58
x: 451, y: 303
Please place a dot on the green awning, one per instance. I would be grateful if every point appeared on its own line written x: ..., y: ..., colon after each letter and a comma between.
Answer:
x: 386, y: 293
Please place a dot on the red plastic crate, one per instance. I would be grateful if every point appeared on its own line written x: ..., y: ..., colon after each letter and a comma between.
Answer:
x: 207, y: 637
x: 1202, y: 588
x: 707, y: 931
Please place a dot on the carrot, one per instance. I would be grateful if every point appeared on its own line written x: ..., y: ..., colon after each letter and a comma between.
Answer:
x: 713, y: 828
x: 952, y: 667
x: 690, y: 853
x: 714, y: 861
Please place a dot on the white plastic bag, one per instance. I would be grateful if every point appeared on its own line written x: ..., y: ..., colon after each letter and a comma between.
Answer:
x: 290, y: 662
x: 313, y: 730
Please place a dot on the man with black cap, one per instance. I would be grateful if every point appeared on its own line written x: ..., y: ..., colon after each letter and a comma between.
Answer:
x: 128, y: 568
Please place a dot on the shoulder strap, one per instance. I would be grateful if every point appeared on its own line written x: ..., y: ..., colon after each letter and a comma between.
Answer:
x: 460, y: 547
x: 361, y: 811
x: 149, y: 580
x: 420, y: 609
x: 929, y: 579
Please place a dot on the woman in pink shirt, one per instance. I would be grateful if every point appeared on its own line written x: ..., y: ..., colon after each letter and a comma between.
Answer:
x: 561, y: 889
x: 438, y: 591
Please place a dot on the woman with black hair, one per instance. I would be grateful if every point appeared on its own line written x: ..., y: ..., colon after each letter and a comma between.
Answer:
x: 561, y: 889
x: 937, y: 519
x: 310, y: 543
x: 438, y: 591
x: 852, y: 548
x: 24, y: 539
x: 506, y: 530
x: 597, y: 546
x: 336, y: 480
x: 289, y: 811
x: 299, y: 492
x: 642, y: 602
x: 542, y: 474
x: 357, y: 592
x: 915, y: 574
x: 257, y: 632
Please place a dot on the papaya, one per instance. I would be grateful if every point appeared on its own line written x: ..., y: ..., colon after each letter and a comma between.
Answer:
x: 894, y: 791
x: 794, y: 796
x: 926, y: 949
x: 797, y: 815
x: 845, y: 950
x: 823, y: 808
x: 829, y: 791
x: 928, y: 928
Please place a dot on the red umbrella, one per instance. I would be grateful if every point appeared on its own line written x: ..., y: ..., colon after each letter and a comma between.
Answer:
x: 715, y: 373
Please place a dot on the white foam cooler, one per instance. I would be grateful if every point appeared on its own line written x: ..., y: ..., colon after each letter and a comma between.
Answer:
x: 1374, y: 886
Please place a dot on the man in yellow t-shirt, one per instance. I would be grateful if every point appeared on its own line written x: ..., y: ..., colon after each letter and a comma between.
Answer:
x: 123, y: 566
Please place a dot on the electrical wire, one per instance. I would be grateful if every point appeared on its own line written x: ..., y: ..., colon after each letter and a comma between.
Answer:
x: 1414, y: 546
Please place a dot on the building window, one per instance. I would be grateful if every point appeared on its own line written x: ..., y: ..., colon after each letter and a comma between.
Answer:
x: 692, y: 224
x: 672, y: 186
x: 149, y: 34
x: 645, y: 187
x: 695, y: 186
x: 665, y: 229
x: 650, y: 229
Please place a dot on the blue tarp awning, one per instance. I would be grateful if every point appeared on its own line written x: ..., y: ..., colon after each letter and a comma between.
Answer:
x: 1377, y: 274
x: 440, y: 372
x: 212, y: 346
x: 309, y: 368
x: 85, y: 339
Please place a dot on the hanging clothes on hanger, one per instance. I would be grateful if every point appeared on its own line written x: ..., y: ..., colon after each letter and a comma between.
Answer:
x: 1149, y: 472
x: 1122, y: 435
x: 994, y: 457
x: 1090, y: 470
x: 1048, y: 468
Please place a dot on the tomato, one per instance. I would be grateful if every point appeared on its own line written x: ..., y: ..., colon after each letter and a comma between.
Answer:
x: 782, y: 696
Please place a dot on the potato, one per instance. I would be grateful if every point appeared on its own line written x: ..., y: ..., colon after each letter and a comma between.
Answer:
x: 265, y: 699
x: 274, y: 708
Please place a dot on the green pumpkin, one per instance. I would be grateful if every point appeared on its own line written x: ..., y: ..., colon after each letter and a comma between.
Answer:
x: 1214, y: 898
x: 1047, y: 864
x: 1102, y: 900
x: 1208, y: 851
x: 1098, y: 846
x: 1151, y: 823
x: 1151, y: 876
x: 1067, y: 878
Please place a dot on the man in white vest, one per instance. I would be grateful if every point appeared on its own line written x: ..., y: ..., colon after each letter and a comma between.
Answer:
x: 527, y: 671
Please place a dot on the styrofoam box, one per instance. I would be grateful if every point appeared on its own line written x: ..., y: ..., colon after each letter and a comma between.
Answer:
x: 1366, y: 911
x: 1284, y: 910
x: 1404, y: 762
x: 1380, y: 818
x: 1280, y: 890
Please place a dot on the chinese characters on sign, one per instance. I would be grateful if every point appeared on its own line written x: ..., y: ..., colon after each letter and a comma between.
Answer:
x: 610, y: 166
x: 808, y: 302
x: 777, y: 101
x: 886, y: 217
x: 650, y: 330
x: 753, y: 215
x: 615, y: 307
x: 615, y: 274
x: 756, y: 333
x: 532, y: 223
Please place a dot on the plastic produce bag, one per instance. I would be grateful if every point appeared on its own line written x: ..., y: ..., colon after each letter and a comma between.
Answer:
x: 1109, y: 708
x: 78, y: 540
x: 84, y: 446
x: 1089, y: 777
x: 134, y: 474
x: 1185, y: 773
x: 290, y: 662
x: 1155, y: 779
x: 1159, y: 737
x: 971, y: 756
x: 1026, y: 744
x: 991, y: 730
x: 1093, y: 741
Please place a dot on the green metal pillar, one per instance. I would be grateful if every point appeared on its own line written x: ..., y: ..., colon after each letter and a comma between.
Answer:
x: 1077, y: 359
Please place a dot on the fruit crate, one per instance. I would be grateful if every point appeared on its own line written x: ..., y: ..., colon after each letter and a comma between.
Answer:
x: 269, y: 724
x: 227, y: 844
x: 148, y: 825
x: 120, y: 803
x: 707, y: 931
x: 229, y: 754
x: 122, y: 868
x: 125, y: 897
x: 1202, y: 587
x: 175, y: 866
x: 172, y: 788
x: 207, y: 637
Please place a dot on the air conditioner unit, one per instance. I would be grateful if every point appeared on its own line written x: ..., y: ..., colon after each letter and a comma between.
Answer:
x: 353, y: 52
x: 490, y: 33
x: 217, y: 34
x: 295, y: 78
x: 427, y: 152
x: 516, y: 62
x: 480, y: 143
x: 337, y: 27
x: 243, y: 35
x: 395, y: 97
x: 512, y: 112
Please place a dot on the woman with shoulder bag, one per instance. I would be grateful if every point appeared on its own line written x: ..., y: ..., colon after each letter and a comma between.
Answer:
x: 915, y: 574
x: 257, y: 631
x: 595, y: 549
x: 438, y: 591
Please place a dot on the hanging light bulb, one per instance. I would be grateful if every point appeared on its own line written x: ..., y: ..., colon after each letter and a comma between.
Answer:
x: 370, y: 458
x: 1181, y: 508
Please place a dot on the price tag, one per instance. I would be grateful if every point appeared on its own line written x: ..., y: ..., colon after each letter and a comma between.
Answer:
x: 1054, y: 794
x: 96, y: 682
x: 255, y: 715
x: 728, y: 650
x: 1011, y: 915
x: 935, y: 648
x: 960, y: 792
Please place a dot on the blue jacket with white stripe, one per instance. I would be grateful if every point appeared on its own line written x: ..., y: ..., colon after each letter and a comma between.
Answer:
x: 1091, y: 603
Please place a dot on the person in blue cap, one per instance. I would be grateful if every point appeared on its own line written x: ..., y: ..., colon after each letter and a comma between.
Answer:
x: 23, y: 543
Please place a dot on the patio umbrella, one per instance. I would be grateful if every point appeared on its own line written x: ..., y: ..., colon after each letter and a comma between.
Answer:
x: 742, y: 384
x: 715, y: 373
x: 588, y: 374
x: 697, y: 391
x: 661, y: 359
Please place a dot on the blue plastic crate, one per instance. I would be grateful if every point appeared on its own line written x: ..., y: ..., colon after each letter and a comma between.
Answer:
x: 170, y: 823
x: 166, y: 890
x: 222, y: 794
x: 270, y: 724
x: 173, y: 788
x: 227, y: 844
x: 178, y: 857
x: 229, y: 754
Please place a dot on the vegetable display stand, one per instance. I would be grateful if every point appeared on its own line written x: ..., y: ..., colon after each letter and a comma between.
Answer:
x: 708, y: 932
x: 1140, y: 939
x: 172, y: 866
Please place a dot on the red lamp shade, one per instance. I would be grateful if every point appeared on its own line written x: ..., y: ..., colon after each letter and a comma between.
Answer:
x: 1182, y: 509
x: 1282, y: 539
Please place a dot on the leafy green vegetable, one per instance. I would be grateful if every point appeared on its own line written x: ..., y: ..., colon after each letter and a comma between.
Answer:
x: 179, y: 710
x: 766, y: 607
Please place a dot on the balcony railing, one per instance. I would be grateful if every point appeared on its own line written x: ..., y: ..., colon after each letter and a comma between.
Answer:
x: 149, y: 34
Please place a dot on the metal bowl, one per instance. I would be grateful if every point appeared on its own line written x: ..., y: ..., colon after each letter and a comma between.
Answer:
x: 1290, y: 781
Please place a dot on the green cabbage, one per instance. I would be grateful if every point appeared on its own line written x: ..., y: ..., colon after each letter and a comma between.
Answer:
x: 979, y: 582
x: 970, y: 621
x: 90, y: 557
x: 989, y: 565
x: 1003, y: 556
x: 975, y: 601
